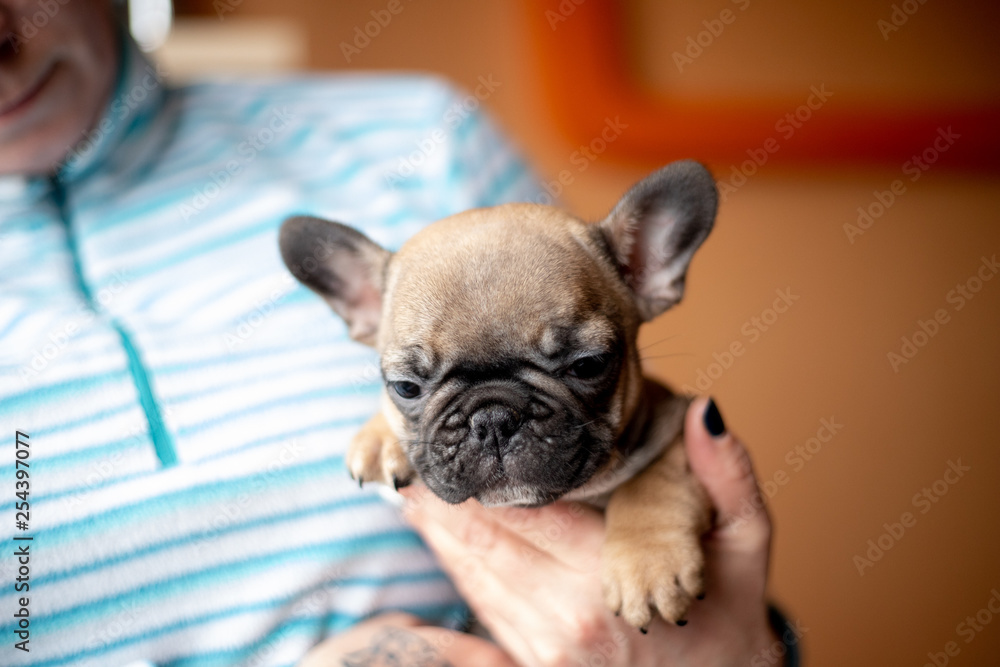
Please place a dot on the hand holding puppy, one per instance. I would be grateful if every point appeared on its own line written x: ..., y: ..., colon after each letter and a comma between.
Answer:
x: 532, y: 575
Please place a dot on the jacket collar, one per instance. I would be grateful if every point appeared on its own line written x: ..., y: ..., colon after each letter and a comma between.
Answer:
x: 138, y: 97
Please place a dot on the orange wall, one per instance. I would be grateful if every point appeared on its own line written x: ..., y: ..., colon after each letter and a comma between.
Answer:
x: 826, y: 358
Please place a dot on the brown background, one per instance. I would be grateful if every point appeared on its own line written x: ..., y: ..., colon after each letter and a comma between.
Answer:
x: 827, y: 356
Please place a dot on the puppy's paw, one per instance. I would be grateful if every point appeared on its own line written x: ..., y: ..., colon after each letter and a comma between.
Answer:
x: 375, y: 455
x: 661, y: 573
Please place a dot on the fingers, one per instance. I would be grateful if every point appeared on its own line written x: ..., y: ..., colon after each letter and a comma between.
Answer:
x: 498, y: 574
x: 466, y: 537
x: 570, y: 532
x: 722, y: 465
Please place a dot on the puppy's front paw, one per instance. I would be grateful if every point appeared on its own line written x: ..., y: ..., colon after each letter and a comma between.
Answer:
x: 375, y: 455
x: 661, y: 573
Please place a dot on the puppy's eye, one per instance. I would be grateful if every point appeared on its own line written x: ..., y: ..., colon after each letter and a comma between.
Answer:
x: 406, y: 389
x: 588, y: 368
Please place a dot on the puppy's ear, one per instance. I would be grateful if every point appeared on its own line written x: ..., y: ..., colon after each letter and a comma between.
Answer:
x: 655, y: 229
x: 340, y: 264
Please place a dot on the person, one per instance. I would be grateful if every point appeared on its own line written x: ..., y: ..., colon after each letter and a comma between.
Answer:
x: 176, y: 410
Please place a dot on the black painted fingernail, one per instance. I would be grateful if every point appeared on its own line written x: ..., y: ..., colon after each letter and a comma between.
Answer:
x: 682, y: 623
x: 700, y: 596
x: 401, y: 483
x: 361, y: 482
x: 644, y: 631
x: 713, y: 420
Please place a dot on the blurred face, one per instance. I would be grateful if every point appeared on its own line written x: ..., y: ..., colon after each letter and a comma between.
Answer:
x: 58, y: 63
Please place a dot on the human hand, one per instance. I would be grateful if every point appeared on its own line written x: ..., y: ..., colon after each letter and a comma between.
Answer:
x: 403, y: 640
x: 532, y: 575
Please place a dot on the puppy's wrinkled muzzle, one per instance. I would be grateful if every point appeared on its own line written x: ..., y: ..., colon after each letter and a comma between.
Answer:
x: 492, y: 426
x: 505, y: 442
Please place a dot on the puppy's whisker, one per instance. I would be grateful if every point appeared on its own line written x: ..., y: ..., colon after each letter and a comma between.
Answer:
x: 664, y: 356
x: 658, y: 342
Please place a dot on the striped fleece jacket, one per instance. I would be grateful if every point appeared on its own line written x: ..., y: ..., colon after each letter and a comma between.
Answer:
x: 184, y: 405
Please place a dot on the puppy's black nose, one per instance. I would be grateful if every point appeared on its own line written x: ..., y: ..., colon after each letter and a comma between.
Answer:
x: 493, y: 425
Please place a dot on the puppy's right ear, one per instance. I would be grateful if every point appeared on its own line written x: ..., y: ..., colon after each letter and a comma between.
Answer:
x: 655, y: 229
x: 340, y: 264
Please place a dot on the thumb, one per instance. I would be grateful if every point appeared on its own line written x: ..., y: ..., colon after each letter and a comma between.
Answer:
x: 722, y: 465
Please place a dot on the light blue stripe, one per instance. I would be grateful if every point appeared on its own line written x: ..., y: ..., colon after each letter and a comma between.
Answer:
x: 82, y: 421
x: 183, y: 193
x: 306, y: 430
x: 177, y: 500
x: 331, y: 366
x: 499, y: 191
x: 358, y: 500
x: 333, y: 621
x: 13, y: 322
x: 56, y: 462
x: 242, y: 357
x: 292, y: 399
x: 319, y: 627
x: 63, y: 391
x: 78, y: 490
x: 228, y: 239
x: 159, y: 592
x: 171, y: 288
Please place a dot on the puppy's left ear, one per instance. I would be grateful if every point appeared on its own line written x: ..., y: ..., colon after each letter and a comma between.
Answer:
x: 340, y: 264
x: 655, y: 229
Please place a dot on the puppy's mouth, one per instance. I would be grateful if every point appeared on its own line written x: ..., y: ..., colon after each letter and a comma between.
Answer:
x: 530, y: 470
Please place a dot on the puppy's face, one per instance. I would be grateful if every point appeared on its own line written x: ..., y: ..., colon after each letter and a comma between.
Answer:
x: 508, y: 334
x: 507, y: 349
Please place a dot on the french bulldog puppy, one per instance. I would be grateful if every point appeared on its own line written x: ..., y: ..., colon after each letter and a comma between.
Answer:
x: 507, y: 338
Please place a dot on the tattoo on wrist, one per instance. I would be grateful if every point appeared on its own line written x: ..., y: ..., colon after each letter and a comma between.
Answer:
x: 393, y: 647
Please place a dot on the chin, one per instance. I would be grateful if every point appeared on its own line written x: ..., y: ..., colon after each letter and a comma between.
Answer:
x: 515, y: 496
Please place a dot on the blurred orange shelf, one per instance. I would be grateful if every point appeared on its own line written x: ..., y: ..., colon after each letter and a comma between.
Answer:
x: 587, y: 81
